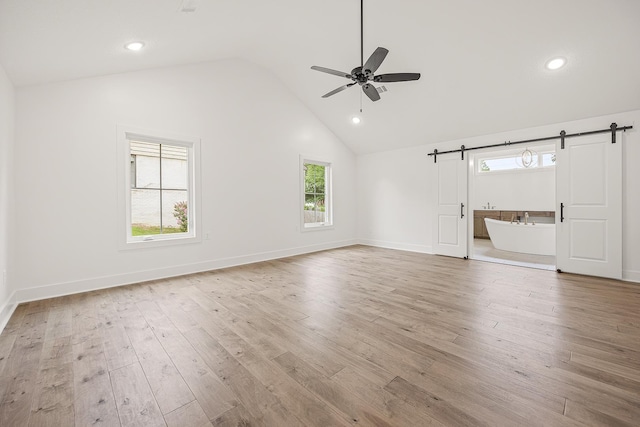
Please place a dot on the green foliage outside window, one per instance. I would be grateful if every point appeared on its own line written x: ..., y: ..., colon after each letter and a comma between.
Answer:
x: 180, y: 213
x: 314, y: 187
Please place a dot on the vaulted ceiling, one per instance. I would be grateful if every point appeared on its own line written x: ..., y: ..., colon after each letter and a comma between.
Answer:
x: 482, y: 62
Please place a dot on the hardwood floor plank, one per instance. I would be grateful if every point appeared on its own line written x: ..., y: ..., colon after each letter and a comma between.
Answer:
x: 445, y: 412
x: 352, y: 409
x: 167, y: 385
x: 21, y: 370
x: 6, y: 345
x: 614, y: 368
x: 589, y: 417
x: 92, y: 393
x: 593, y: 393
x: 292, y: 396
x: 394, y: 408
x: 516, y: 404
x: 213, y: 396
x: 85, y: 322
x: 271, y: 329
x: 52, y: 403
x: 58, y: 324
x: 118, y: 351
x: 371, y: 345
x: 510, y: 381
x: 253, y: 395
x: 235, y: 417
x: 42, y: 305
x: 15, y: 321
x: 189, y: 415
x: 134, y: 400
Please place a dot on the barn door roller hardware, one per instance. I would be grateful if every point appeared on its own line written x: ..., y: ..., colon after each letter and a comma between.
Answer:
x: 613, y: 129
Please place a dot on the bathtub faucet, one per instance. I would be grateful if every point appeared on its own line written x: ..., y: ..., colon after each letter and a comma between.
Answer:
x: 526, y: 218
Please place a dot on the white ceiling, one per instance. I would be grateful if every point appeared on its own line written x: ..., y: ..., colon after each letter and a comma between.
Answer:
x: 482, y: 62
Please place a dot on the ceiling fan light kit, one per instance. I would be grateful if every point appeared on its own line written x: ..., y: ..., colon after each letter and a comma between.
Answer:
x: 364, y: 75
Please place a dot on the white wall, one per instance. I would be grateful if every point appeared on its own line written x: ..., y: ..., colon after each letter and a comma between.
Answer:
x: 395, y: 198
x: 7, y: 107
x: 253, y: 131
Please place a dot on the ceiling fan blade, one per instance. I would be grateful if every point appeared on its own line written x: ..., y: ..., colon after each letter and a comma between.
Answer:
x: 375, y: 59
x: 330, y: 71
x: 371, y: 92
x: 340, y: 89
x: 396, y: 77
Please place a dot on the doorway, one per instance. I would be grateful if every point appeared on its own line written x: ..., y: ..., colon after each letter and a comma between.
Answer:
x: 512, y: 197
x: 583, y: 209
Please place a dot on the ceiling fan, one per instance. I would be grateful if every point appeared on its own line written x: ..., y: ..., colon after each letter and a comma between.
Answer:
x: 364, y: 74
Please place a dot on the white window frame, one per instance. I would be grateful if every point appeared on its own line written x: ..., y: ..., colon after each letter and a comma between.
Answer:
x: 536, y: 168
x: 126, y: 240
x: 328, y: 185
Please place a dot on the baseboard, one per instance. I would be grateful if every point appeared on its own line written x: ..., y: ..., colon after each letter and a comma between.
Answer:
x: 6, y: 311
x: 409, y: 247
x: 92, y: 284
x: 631, y: 276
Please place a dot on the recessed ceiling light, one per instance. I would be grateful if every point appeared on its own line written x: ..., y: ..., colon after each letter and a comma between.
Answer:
x: 355, y: 120
x: 556, y: 63
x: 134, y: 46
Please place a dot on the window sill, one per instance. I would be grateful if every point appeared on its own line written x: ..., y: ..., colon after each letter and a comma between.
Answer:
x: 159, y: 241
x: 319, y: 227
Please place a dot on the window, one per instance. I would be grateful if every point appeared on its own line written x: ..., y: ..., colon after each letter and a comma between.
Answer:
x: 316, y: 189
x: 525, y: 160
x: 159, y: 189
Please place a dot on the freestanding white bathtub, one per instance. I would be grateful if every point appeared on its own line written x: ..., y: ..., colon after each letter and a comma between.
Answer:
x: 538, y: 239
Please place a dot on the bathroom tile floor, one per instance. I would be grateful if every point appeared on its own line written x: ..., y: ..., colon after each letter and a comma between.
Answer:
x: 483, y: 250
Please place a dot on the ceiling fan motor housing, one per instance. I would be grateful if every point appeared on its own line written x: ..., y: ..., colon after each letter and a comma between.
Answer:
x: 361, y: 77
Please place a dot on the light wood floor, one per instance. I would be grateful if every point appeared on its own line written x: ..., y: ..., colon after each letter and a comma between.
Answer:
x: 354, y: 336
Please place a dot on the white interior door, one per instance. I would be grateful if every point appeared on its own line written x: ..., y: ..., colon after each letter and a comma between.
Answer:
x: 450, y: 223
x: 589, y: 206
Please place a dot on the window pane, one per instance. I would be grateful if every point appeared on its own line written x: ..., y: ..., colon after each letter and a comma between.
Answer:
x: 548, y: 159
x: 309, y: 207
x: 528, y: 159
x: 320, y: 208
x: 174, y: 211
x: 174, y: 167
x: 309, y: 201
x: 147, y: 164
x: 501, y: 164
x: 145, y: 212
x: 314, y: 178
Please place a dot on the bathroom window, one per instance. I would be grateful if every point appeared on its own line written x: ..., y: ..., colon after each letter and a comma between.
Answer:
x: 526, y: 160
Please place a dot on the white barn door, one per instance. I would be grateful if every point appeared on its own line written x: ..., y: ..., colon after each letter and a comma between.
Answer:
x: 450, y: 223
x: 589, y: 206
